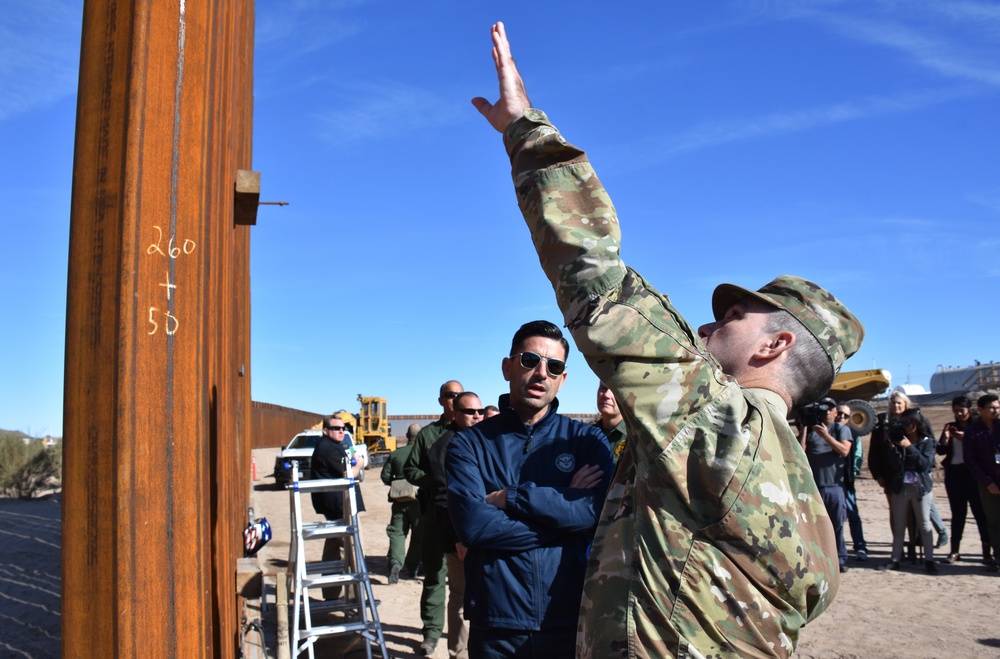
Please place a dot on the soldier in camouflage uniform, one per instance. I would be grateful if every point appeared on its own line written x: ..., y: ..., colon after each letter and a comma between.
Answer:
x: 713, y: 540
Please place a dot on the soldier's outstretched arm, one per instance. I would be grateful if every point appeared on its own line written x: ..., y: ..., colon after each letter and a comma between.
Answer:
x: 513, y: 99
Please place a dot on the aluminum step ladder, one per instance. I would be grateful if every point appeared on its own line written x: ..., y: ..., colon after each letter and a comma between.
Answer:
x: 356, y: 602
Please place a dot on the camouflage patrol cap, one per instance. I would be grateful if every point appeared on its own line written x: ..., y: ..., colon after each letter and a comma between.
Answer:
x: 826, y: 318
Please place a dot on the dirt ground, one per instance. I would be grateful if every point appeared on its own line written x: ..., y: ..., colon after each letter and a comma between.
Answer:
x: 906, y: 614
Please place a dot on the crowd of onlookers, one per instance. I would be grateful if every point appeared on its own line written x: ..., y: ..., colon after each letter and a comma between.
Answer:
x: 902, y: 456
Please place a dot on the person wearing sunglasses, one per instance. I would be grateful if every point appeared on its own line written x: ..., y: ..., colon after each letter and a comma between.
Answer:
x: 827, y: 446
x: 852, y: 469
x: 405, y: 515
x: 469, y: 411
x: 417, y: 470
x: 713, y: 540
x: 525, y: 489
x: 328, y: 461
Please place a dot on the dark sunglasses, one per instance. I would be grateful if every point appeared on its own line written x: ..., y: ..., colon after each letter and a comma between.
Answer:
x: 530, y: 360
x: 470, y: 411
x: 451, y: 394
x: 337, y: 428
x: 841, y: 415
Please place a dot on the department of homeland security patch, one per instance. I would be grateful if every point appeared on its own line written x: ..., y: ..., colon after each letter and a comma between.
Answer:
x: 565, y: 463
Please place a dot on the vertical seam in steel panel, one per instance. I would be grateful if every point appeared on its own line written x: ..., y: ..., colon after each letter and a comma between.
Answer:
x: 171, y: 305
x: 134, y: 353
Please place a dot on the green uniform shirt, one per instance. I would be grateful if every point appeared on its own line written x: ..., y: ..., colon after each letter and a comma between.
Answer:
x: 616, y: 438
x: 417, y: 468
x: 393, y: 467
x: 713, y: 540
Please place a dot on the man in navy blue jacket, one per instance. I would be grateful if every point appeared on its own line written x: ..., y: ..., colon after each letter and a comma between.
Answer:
x: 525, y: 489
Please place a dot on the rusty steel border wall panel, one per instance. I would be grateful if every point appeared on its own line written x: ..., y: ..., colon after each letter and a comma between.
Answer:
x: 274, y: 425
x: 157, y: 386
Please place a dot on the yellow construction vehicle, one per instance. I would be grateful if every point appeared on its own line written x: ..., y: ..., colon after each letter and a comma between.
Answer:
x: 855, y: 389
x: 373, y: 429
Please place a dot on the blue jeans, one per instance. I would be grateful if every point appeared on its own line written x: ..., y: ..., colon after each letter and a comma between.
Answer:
x: 493, y: 643
x: 854, y: 520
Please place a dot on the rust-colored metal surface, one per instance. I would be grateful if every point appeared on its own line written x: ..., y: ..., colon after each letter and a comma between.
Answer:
x: 157, y: 393
x: 274, y: 425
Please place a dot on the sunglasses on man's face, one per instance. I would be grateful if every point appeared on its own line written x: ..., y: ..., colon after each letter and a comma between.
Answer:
x: 471, y: 411
x: 451, y: 394
x: 530, y: 360
x: 336, y: 428
x: 841, y: 415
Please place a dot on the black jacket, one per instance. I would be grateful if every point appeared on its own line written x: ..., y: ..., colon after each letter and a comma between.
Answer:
x: 917, y: 458
x: 328, y: 462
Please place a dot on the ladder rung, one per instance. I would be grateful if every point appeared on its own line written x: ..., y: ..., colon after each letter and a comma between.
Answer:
x: 326, y: 530
x: 325, y: 606
x: 324, y: 485
x: 345, y: 628
x: 326, y: 567
x: 315, y: 580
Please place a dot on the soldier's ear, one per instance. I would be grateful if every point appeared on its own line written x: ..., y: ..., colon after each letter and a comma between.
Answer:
x: 774, y: 345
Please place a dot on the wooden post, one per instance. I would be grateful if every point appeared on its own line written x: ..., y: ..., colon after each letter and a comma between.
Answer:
x: 157, y: 398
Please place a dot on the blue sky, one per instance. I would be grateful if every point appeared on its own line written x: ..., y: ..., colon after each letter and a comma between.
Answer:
x: 851, y: 143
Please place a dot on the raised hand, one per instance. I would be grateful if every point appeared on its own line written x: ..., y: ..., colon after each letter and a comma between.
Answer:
x: 513, y: 99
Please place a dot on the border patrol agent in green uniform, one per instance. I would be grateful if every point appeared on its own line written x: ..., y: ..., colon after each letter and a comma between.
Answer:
x: 713, y: 541
x: 405, y: 516
x: 417, y: 470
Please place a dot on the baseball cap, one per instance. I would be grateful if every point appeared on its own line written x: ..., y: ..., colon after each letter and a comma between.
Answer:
x: 837, y: 329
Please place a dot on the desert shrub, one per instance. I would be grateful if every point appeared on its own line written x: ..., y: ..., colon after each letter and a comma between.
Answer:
x: 12, y: 455
x: 26, y: 468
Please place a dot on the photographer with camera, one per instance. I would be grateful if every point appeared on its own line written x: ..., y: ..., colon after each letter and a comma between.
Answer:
x: 910, y: 462
x: 826, y: 444
x: 878, y: 462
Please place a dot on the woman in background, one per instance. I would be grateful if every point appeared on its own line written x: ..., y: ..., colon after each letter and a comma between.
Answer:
x: 958, y: 482
x: 910, y: 463
x: 878, y: 456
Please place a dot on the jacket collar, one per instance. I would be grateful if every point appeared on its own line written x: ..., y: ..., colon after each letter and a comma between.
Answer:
x: 507, y: 411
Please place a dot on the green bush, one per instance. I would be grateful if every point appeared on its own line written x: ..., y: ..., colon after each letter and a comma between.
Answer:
x: 27, y: 468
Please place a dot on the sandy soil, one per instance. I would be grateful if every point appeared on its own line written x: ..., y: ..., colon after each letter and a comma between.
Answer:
x: 876, y: 614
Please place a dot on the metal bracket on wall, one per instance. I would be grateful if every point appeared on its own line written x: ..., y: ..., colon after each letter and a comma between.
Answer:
x: 247, y: 197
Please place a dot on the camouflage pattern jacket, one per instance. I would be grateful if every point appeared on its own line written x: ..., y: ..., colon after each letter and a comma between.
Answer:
x: 713, y: 541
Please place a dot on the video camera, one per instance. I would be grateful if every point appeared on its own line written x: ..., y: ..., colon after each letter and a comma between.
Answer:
x: 895, y: 429
x: 814, y: 414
